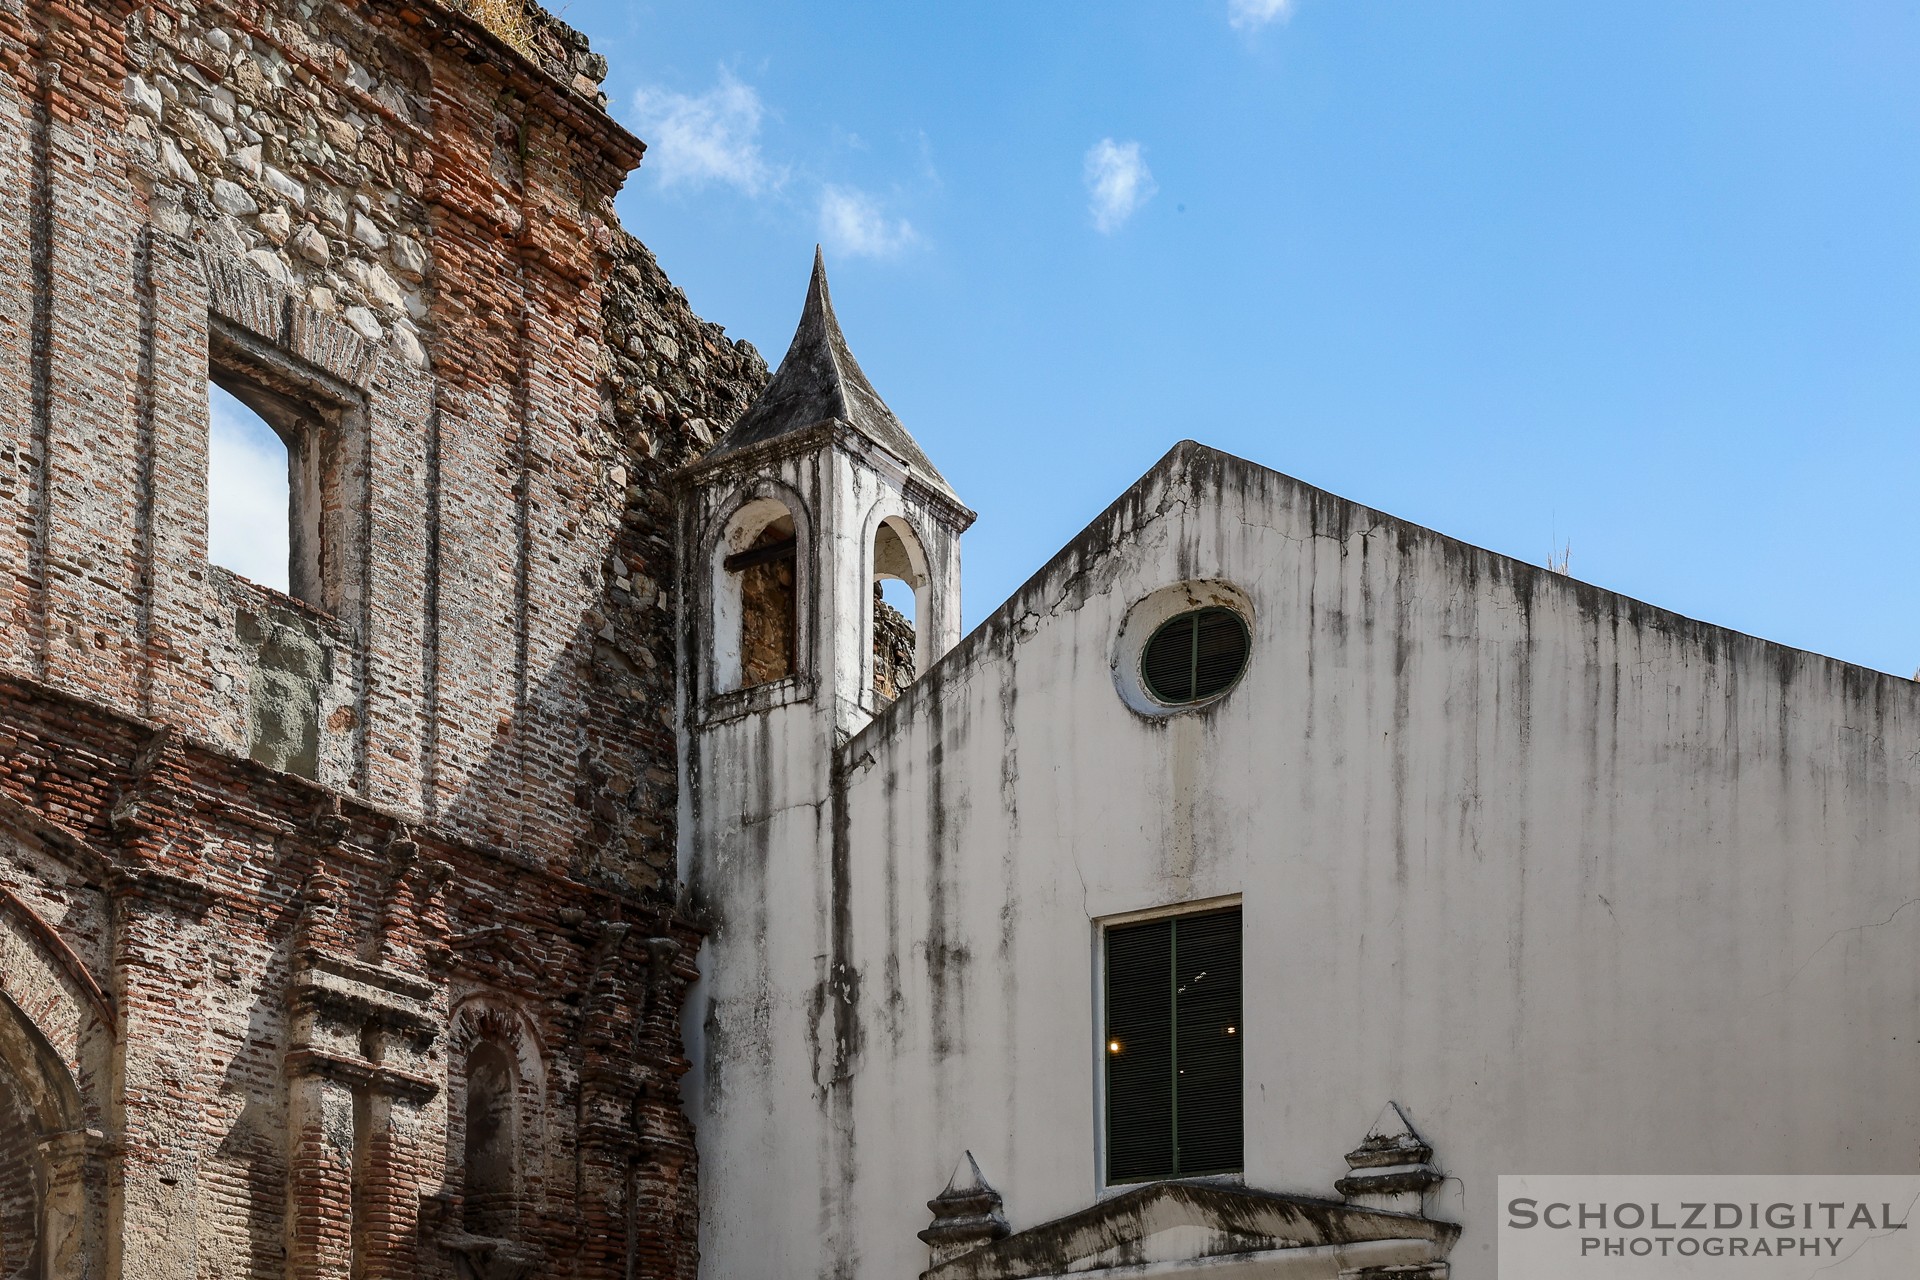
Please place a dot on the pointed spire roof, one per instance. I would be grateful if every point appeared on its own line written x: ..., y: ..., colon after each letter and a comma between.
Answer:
x: 967, y: 1181
x: 820, y: 381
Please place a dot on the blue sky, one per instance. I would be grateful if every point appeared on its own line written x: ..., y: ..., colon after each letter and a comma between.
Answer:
x: 1637, y: 278
x: 1634, y: 280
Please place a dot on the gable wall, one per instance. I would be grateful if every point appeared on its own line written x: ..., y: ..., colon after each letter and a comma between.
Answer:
x: 1583, y: 885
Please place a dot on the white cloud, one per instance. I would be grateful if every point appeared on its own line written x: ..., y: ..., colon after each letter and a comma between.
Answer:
x: 852, y: 223
x: 1249, y: 15
x: 246, y: 493
x: 1118, y: 181
x: 705, y: 138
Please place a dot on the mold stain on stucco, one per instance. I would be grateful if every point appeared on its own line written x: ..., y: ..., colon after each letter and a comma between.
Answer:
x: 941, y: 979
x: 894, y: 1010
x: 842, y: 996
x: 1007, y: 953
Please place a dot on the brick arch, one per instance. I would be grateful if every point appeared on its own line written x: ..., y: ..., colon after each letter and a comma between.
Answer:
x: 47, y: 1225
x: 46, y: 981
x: 57, y: 1030
x: 22, y: 1175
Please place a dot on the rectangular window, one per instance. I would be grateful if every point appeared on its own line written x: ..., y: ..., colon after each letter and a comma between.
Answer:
x: 287, y: 474
x: 1173, y: 1047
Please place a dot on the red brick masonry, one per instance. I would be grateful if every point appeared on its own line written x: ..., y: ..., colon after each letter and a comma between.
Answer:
x: 276, y: 872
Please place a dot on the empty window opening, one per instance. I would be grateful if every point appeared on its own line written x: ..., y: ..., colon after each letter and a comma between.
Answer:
x: 487, y: 1205
x: 286, y: 471
x: 1173, y: 1047
x: 768, y: 576
x: 249, y: 511
x: 899, y: 584
x: 893, y: 638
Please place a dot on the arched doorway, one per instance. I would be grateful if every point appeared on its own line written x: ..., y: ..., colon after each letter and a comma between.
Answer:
x: 39, y: 1110
x: 56, y: 1041
x: 22, y: 1181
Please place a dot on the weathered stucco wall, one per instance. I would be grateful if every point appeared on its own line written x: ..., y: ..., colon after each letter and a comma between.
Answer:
x: 757, y: 761
x: 1585, y: 885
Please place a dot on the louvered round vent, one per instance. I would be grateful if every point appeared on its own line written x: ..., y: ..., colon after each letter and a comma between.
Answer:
x: 1194, y: 656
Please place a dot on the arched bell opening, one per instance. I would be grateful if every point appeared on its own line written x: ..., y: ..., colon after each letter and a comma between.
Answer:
x: 900, y: 605
x: 757, y: 591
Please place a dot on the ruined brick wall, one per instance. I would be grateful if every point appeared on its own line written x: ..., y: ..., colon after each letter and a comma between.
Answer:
x: 379, y: 202
x: 337, y: 959
x: 272, y: 867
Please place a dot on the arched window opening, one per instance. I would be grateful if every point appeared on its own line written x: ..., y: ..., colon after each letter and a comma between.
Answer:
x: 764, y: 575
x: 249, y: 503
x: 899, y: 585
x: 492, y: 1139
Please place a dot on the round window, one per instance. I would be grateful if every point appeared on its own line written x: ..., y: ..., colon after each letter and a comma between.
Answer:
x: 1194, y: 656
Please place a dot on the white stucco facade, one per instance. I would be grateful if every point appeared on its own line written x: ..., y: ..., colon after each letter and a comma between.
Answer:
x: 1585, y: 886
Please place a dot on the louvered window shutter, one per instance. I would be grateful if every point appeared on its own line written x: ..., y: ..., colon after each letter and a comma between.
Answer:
x: 1206, y: 966
x: 1173, y: 1047
x: 1195, y: 655
x: 1139, y: 1051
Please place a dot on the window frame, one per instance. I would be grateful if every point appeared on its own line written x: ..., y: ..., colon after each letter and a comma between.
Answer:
x: 1144, y: 618
x: 323, y: 423
x: 1201, y: 906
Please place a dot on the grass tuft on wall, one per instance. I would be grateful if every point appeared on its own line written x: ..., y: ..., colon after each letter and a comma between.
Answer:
x: 508, y: 19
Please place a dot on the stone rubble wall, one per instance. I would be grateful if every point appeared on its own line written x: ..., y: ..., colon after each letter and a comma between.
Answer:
x: 301, y: 145
x: 674, y: 383
x: 893, y: 650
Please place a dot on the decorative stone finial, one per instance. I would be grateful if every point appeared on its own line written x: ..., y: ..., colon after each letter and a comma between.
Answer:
x: 1392, y: 1168
x: 966, y: 1216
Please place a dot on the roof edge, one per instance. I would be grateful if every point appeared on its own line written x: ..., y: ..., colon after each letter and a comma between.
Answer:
x: 805, y: 440
x: 1187, y: 451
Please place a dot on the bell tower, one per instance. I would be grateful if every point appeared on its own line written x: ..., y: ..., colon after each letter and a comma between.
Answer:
x: 790, y: 527
x: 815, y: 498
